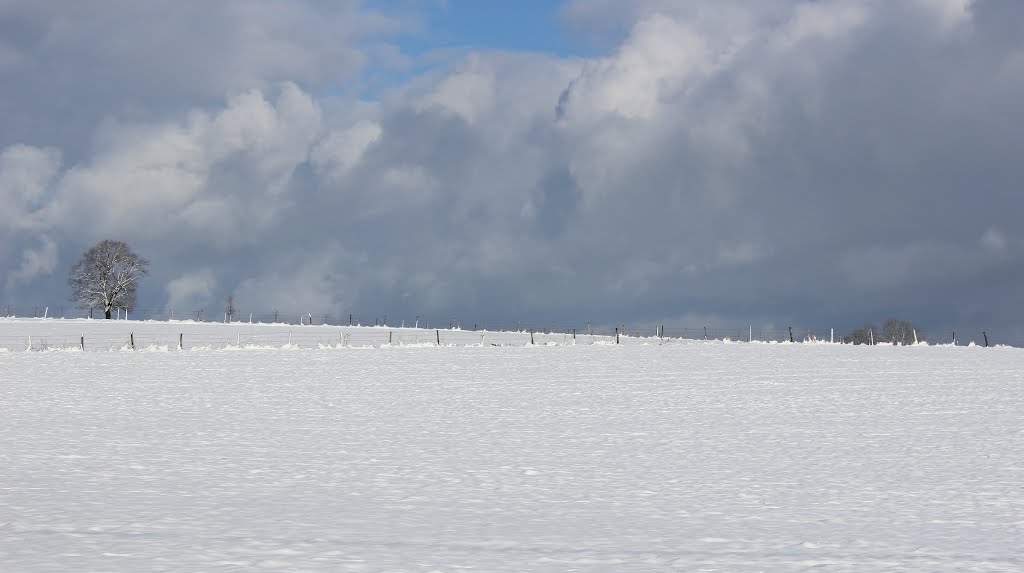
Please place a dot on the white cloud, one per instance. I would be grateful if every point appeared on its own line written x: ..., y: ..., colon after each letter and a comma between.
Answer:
x: 468, y: 92
x: 822, y: 21
x: 26, y: 174
x: 216, y: 175
x: 35, y: 263
x: 340, y: 152
x: 656, y: 61
x: 191, y: 290
x: 307, y: 281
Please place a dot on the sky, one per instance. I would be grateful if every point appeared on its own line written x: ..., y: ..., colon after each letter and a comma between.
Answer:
x: 724, y: 162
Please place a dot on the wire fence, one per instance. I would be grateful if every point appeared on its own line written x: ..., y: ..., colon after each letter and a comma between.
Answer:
x: 357, y: 337
x: 352, y: 330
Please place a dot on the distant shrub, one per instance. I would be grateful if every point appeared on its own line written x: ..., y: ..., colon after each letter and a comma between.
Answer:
x: 893, y: 331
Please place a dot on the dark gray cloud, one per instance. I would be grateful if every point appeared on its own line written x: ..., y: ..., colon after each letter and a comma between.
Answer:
x: 820, y: 163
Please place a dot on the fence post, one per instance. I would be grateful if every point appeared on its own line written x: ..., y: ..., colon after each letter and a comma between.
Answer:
x: 574, y: 335
x: 985, y: 334
x: 705, y: 333
x: 389, y: 336
x: 531, y: 336
x: 616, y: 335
x: 350, y: 319
x: 791, y: 334
x: 181, y: 341
x: 954, y: 338
x: 82, y: 342
x: 131, y: 338
x: 871, y: 336
x: 438, y: 332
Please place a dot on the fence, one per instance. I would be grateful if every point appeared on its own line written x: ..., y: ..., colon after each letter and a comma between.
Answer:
x: 351, y: 330
x: 198, y: 338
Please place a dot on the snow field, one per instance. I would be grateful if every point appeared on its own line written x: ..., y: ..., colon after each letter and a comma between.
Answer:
x: 711, y: 457
x: 18, y: 334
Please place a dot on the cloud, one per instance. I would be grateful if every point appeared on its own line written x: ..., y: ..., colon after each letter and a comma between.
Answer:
x: 26, y: 174
x: 306, y: 281
x: 655, y: 63
x: 216, y: 176
x: 767, y: 161
x: 341, y: 152
x: 192, y: 290
x: 35, y: 263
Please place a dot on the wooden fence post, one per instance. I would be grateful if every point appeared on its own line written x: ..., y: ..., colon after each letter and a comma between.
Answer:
x: 791, y: 334
x: 985, y: 334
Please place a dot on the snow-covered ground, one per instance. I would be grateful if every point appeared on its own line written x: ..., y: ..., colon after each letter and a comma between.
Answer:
x: 638, y: 457
x: 55, y: 334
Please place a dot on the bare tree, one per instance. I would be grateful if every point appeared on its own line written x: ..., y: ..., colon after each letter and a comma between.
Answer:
x: 863, y: 335
x: 106, y: 277
x: 896, y: 331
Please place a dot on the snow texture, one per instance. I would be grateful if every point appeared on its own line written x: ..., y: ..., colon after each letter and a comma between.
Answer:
x: 641, y: 457
x: 72, y: 334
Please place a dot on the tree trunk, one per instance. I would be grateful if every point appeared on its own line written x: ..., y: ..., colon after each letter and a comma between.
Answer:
x: 107, y: 314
